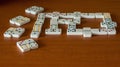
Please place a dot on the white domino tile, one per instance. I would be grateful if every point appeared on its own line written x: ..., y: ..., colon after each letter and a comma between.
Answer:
x: 53, y: 31
x: 18, y: 32
x: 8, y: 32
x: 99, y: 15
x: 95, y: 31
x: 74, y: 32
x: 19, y: 20
x: 36, y: 31
x: 112, y: 31
x: 27, y: 45
x: 87, y: 32
x: 34, y: 10
x: 103, y: 31
x: 14, y: 32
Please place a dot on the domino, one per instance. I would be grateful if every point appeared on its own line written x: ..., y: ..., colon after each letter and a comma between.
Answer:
x: 52, y: 15
x: 56, y: 15
x: 37, y: 27
x: 103, y: 31
x: 34, y: 10
x: 88, y: 15
x: 27, y: 45
x: 111, y: 25
x: 99, y: 15
x: 70, y: 15
x: 63, y: 15
x: 77, y: 20
x: 34, y: 34
x: 72, y: 26
x: 91, y: 15
x: 8, y: 32
x: 112, y: 31
x: 53, y: 31
x: 77, y: 14
x: 54, y: 21
x: 107, y: 20
x: 36, y: 31
x: 48, y: 15
x: 65, y: 21
x: 38, y: 22
x: 107, y: 15
x: 41, y: 17
x: 95, y: 31
x: 22, y: 47
x: 14, y: 32
x: 87, y: 32
x: 108, y: 25
x: 53, y: 26
x: 18, y: 32
x: 74, y: 32
x: 19, y: 20
x: 84, y: 15
x: 103, y: 24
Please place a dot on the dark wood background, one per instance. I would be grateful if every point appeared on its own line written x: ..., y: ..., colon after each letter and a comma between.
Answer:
x: 61, y: 50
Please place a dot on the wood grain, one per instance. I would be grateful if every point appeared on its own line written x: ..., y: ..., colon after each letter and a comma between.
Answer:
x: 63, y: 50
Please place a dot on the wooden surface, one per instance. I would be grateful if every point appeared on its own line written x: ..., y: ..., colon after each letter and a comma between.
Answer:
x: 63, y: 50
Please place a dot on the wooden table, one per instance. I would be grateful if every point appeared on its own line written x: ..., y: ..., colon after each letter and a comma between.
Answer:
x: 61, y: 50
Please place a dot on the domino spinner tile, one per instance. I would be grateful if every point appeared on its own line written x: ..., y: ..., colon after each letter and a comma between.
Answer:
x: 34, y: 10
x: 27, y: 45
x: 19, y: 20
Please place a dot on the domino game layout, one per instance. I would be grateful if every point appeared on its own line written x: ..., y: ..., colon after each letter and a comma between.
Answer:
x: 107, y: 26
